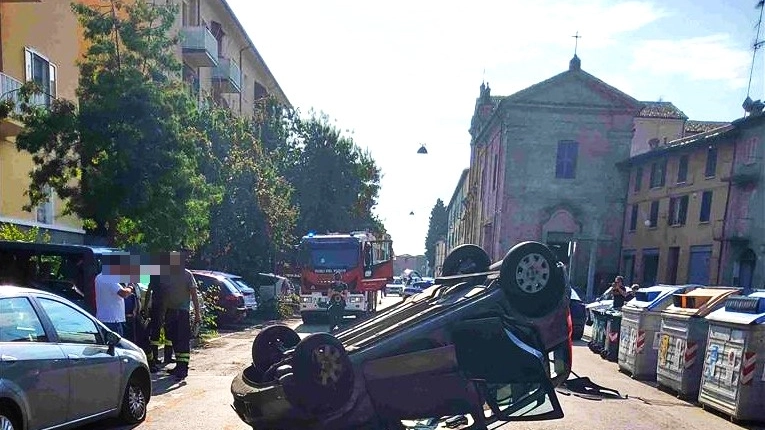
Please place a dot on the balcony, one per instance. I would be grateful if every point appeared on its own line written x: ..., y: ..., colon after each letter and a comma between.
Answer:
x: 200, y: 49
x: 10, y: 126
x: 746, y: 173
x: 732, y: 230
x: 227, y: 76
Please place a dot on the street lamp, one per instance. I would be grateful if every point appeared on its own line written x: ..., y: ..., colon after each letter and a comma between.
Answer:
x: 422, y: 149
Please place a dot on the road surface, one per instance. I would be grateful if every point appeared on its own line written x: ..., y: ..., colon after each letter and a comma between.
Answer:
x: 203, y: 400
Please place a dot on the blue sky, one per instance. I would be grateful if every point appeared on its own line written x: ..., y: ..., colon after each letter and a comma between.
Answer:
x: 402, y: 73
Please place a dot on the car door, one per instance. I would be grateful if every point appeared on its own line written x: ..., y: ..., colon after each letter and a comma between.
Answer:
x: 31, y: 365
x: 95, y: 369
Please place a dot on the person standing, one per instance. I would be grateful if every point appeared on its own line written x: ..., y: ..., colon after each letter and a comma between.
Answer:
x: 180, y: 291
x: 110, y: 296
x: 336, y: 308
x: 154, y: 302
x: 619, y: 292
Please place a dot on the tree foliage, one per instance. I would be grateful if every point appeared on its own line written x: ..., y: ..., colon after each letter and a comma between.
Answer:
x: 12, y: 232
x: 126, y: 162
x: 437, y: 230
x: 255, y: 217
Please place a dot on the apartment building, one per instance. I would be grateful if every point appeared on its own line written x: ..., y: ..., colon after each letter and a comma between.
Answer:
x: 38, y: 42
x: 220, y: 60
x: 676, y: 203
x: 455, y: 212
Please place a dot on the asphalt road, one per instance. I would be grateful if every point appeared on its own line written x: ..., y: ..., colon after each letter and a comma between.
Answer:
x: 203, y: 400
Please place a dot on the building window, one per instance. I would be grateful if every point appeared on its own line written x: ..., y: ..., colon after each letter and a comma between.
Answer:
x: 706, y: 206
x: 654, y: 215
x: 191, y: 79
x: 638, y: 178
x: 634, y: 217
x: 678, y: 210
x: 45, y: 210
x: 496, y: 173
x: 711, y: 167
x: 682, y: 169
x: 658, y: 173
x: 43, y: 73
x: 217, y: 31
x: 189, y: 13
x: 565, y: 166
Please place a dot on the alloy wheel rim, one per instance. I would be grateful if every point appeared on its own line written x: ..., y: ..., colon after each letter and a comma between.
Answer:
x: 136, y: 402
x: 532, y: 273
x: 5, y: 423
x: 330, y: 368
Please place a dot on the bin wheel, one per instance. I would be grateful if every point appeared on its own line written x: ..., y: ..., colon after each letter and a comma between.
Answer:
x: 466, y: 259
x: 532, y: 280
x: 324, y: 373
x: 269, y: 345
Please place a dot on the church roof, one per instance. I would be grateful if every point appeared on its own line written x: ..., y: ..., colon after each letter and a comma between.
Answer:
x: 574, y: 73
x: 661, y: 110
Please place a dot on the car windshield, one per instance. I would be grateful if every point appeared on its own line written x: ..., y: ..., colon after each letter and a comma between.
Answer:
x: 336, y: 256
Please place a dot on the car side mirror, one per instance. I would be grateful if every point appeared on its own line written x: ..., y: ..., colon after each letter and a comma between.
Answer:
x: 112, y: 338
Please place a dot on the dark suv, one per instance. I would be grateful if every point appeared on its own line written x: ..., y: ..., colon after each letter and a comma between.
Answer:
x: 234, y: 295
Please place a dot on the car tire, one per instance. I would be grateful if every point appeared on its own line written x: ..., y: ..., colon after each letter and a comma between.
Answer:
x: 532, y: 280
x: 466, y: 259
x: 323, y: 372
x: 269, y: 345
x: 9, y: 417
x: 135, y: 401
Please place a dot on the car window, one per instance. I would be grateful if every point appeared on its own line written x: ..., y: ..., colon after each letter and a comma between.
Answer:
x: 206, y: 283
x: 19, y: 321
x: 71, y: 325
x: 240, y: 283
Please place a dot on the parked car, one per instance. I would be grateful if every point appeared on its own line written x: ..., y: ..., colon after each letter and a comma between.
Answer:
x: 578, y: 315
x: 271, y: 287
x: 416, y: 287
x: 233, y: 297
x: 60, y: 366
x: 396, y: 287
x: 491, y: 346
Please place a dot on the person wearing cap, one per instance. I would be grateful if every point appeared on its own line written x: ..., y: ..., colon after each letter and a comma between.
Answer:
x: 337, y: 307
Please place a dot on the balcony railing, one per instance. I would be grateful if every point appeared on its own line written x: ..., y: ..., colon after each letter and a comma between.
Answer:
x: 9, y: 90
x: 200, y: 49
x: 228, y: 76
x: 733, y: 229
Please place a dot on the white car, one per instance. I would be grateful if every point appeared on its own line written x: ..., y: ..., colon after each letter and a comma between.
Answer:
x: 397, y: 287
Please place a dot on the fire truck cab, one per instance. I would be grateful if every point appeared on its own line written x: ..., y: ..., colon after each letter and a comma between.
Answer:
x: 364, y: 263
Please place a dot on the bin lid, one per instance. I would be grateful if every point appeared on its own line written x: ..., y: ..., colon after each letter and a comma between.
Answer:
x: 700, y: 301
x: 656, y: 297
x: 741, y: 309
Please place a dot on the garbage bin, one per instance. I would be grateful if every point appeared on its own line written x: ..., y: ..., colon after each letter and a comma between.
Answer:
x: 598, y: 331
x: 684, y: 338
x: 732, y: 381
x: 610, y: 350
x: 641, y: 322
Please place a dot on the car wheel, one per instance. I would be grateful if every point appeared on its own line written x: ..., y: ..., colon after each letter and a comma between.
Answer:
x: 9, y: 418
x: 531, y: 279
x: 134, y: 401
x: 466, y: 259
x: 324, y: 373
x: 269, y: 345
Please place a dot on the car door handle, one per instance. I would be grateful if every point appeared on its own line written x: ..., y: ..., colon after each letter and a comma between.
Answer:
x: 8, y: 358
x: 73, y: 356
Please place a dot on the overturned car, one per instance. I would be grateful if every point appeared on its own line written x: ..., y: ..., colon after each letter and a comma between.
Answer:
x: 486, y: 341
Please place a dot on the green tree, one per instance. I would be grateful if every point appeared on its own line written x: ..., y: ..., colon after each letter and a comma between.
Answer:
x: 126, y: 161
x: 336, y: 182
x: 12, y: 232
x: 255, y: 217
x: 437, y: 229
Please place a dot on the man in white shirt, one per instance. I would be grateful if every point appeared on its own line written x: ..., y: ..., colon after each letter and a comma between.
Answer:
x: 110, y: 295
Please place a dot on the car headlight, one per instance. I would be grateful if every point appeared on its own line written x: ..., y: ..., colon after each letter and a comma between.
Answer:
x: 306, y: 299
x: 356, y: 300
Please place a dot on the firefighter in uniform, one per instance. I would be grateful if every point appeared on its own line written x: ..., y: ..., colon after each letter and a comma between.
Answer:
x: 154, y: 301
x: 180, y: 290
x: 336, y: 308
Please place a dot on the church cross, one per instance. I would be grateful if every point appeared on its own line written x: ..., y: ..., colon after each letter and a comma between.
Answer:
x: 576, y: 43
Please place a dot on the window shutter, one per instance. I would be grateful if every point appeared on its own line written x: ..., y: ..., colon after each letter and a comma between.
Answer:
x: 28, y: 64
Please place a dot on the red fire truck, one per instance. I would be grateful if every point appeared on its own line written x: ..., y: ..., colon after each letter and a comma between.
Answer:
x: 364, y: 262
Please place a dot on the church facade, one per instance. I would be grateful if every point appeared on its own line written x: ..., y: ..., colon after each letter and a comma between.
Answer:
x: 543, y: 166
